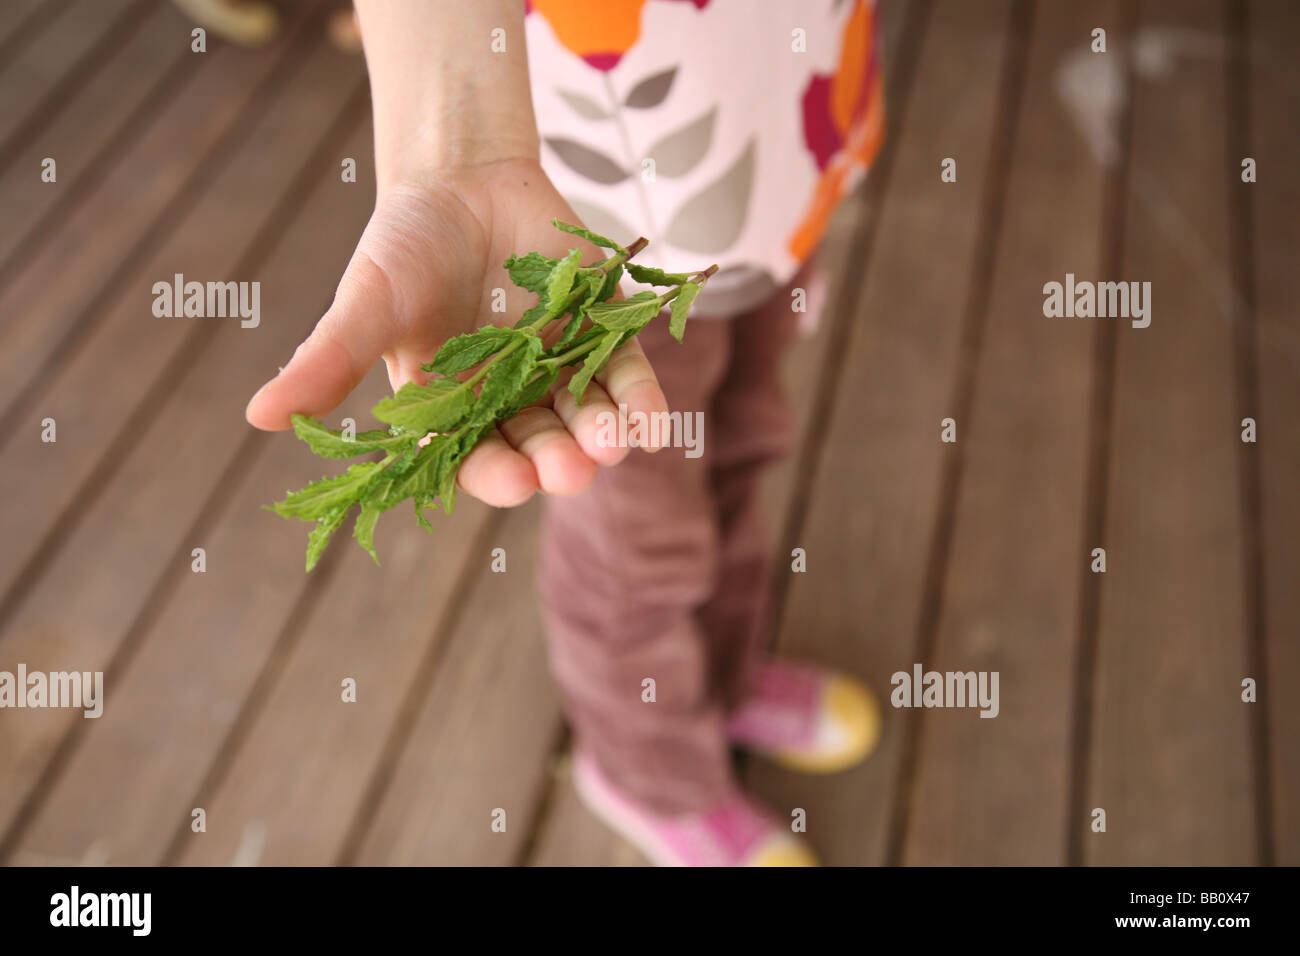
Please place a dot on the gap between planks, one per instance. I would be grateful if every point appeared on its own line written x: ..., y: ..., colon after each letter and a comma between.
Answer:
x: 43, y: 113
x: 408, y: 713
x: 1020, y: 23
x: 32, y: 26
x: 168, y: 86
x: 299, y: 42
x: 1097, y: 488
x: 1241, y: 267
x: 321, y: 159
x: 191, y: 350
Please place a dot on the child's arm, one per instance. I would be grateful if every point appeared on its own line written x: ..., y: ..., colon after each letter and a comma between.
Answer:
x: 459, y: 190
x: 442, y: 96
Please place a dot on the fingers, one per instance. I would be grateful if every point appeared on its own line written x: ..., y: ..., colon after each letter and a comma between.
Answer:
x: 557, y: 449
x: 629, y: 381
x: 561, y: 466
x: 537, y: 450
x: 496, y: 474
x: 352, y: 335
x: 585, y: 423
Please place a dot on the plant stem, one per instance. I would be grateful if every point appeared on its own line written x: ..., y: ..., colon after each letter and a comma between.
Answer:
x: 559, y: 361
x: 564, y: 358
x: 605, y: 268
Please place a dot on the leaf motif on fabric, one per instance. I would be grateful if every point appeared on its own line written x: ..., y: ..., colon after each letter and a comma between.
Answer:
x: 682, y: 150
x: 584, y: 106
x: 713, y: 219
x: 586, y: 161
x: 651, y: 91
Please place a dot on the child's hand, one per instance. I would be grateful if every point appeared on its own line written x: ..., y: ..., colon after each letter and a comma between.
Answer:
x: 423, y: 272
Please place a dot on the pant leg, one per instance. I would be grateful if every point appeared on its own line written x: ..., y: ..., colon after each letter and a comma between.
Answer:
x: 624, y: 568
x: 752, y: 427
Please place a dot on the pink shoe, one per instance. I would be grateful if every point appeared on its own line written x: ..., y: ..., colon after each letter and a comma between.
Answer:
x: 807, y: 718
x: 735, y: 833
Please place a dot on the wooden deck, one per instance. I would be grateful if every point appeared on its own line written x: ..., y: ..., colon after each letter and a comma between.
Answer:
x: 1119, y: 691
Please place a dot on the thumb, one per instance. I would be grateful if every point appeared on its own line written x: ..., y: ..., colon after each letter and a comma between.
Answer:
x: 349, y: 339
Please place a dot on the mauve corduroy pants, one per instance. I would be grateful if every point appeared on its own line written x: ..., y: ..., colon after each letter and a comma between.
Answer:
x: 661, y: 569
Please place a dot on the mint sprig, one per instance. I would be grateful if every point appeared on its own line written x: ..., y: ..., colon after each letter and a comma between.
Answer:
x: 432, y: 427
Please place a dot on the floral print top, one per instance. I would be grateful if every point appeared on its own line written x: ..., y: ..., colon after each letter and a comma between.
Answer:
x: 722, y: 130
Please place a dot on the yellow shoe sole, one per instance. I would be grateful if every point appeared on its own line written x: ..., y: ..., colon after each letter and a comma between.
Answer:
x: 856, y: 709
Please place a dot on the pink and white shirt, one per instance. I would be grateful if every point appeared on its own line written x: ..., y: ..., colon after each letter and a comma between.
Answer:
x: 724, y: 131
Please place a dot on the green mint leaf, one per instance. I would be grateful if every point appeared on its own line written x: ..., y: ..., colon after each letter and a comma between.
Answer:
x: 447, y: 483
x: 595, y: 286
x: 610, y: 285
x: 652, y: 276
x: 321, y: 498
x: 543, y: 307
x: 504, y: 380
x: 620, y: 314
x: 595, y: 291
x: 421, y: 477
x: 570, y: 330
x: 320, y: 535
x: 593, y: 238
x: 433, y: 427
x: 421, y: 502
x: 364, y: 529
x: 531, y: 271
x: 596, y: 360
x: 330, y: 443
x: 437, y: 407
x: 561, y: 279
x: 680, y: 308
x: 465, y: 351
x: 580, y: 340
x: 532, y: 392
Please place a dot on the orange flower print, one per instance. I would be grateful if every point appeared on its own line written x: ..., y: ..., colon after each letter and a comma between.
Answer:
x: 599, y: 32
x: 843, y: 122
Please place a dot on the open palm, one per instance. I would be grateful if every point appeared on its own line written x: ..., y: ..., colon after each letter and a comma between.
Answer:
x: 429, y: 267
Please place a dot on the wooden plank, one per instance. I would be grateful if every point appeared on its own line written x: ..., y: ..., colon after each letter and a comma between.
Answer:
x: 89, y: 122
x: 489, y: 719
x: 810, y: 351
x: 128, y: 783
x: 128, y: 541
x: 996, y: 791
x: 872, y: 505
x: 1171, y: 749
x: 301, y: 777
x: 137, y: 202
x: 807, y: 356
x: 217, y: 659
x: 573, y: 837
x: 90, y: 407
x: 1274, y: 142
x: 38, y: 68
x: 19, y: 21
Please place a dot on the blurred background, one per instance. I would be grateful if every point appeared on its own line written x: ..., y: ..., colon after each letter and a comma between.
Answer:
x: 1121, y: 690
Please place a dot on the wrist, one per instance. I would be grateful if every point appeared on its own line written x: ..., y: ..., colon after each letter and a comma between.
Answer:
x: 407, y: 149
x: 450, y: 85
